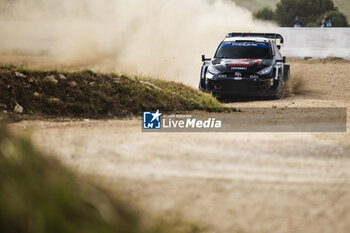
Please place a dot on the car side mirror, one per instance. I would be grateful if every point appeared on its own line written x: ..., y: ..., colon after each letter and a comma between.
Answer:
x: 282, y: 60
x: 279, y: 47
x: 205, y: 59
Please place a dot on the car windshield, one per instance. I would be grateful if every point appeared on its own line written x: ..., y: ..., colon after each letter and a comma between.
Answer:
x: 248, y: 50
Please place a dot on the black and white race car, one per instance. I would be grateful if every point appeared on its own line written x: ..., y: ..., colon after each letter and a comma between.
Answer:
x: 248, y: 64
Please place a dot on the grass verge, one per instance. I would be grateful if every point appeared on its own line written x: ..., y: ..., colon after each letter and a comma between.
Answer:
x: 38, y: 195
x: 93, y: 95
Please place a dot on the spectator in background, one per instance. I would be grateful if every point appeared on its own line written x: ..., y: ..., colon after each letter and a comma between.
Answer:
x: 297, y: 22
x: 326, y: 22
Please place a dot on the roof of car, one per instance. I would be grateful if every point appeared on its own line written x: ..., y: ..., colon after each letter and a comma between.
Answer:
x: 253, y: 39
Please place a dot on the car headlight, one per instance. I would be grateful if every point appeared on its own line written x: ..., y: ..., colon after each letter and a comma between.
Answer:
x: 209, y: 75
x: 265, y: 71
x: 213, y: 70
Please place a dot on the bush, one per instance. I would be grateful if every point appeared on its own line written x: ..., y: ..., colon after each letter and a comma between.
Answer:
x: 338, y: 19
x: 314, y: 24
x: 309, y: 11
x: 38, y: 195
x: 266, y: 13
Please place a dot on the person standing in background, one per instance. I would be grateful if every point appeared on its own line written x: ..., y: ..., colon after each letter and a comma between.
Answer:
x: 326, y: 22
x: 297, y: 22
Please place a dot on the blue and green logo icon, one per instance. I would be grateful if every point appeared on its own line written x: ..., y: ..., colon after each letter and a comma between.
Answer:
x: 152, y: 120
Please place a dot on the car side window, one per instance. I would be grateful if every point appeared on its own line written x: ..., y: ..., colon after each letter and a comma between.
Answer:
x: 278, y: 52
x: 273, y: 49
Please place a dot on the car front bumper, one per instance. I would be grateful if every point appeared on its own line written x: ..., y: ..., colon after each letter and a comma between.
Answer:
x: 245, y: 86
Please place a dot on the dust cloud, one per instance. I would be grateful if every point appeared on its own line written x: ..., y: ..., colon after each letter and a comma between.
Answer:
x: 162, y: 39
x: 296, y: 85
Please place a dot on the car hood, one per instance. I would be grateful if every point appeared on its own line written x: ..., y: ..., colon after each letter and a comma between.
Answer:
x: 229, y: 65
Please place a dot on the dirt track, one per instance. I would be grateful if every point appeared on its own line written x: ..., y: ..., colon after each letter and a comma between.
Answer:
x: 229, y: 182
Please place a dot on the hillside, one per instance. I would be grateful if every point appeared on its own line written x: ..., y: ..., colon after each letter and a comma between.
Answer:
x: 254, y: 5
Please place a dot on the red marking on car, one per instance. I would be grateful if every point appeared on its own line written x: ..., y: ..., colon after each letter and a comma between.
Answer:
x: 239, y: 64
x: 245, y: 63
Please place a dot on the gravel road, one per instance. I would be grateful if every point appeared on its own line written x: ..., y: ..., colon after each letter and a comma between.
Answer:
x: 228, y: 182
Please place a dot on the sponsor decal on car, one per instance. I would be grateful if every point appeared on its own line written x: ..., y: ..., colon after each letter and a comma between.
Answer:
x: 245, y: 44
x: 245, y: 63
x: 239, y: 68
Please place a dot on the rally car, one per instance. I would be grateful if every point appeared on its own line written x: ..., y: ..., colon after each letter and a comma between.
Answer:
x: 248, y: 64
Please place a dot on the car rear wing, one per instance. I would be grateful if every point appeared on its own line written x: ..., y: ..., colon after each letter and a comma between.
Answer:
x: 274, y: 36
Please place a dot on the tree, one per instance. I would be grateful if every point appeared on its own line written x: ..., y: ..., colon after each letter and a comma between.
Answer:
x: 338, y: 19
x: 266, y: 13
x: 308, y: 10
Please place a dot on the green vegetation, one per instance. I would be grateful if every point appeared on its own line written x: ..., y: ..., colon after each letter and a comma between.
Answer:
x: 338, y: 18
x: 310, y: 12
x: 255, y: 6
x: 94, y: 95
x: 267, y: 13
x: 39, y: 195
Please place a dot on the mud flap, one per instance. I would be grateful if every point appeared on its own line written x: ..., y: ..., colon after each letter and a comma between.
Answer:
x: 286, y: 72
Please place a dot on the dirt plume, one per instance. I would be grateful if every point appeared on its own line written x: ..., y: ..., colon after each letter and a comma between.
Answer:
x: 295, y: 86
x: 164, y: 39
